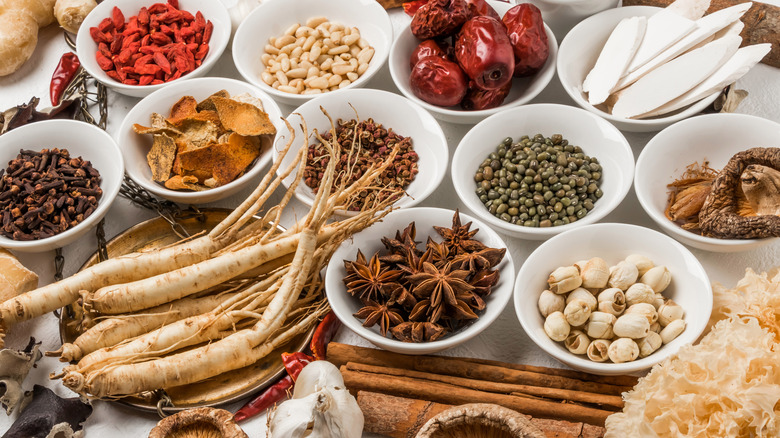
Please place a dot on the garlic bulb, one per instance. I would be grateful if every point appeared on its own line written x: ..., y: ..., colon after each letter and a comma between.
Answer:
x: 612, y: 300
x: 639, y: 293
x: 577, y: 342
x: 550, y: 302
x: 631, y: 326
x: 658, y: 278
x: 623, y: 276
x: 577, y: 312
x: 564, y: 279
x: 595, y: 273
x: 600, y: 325
x: 669, y: 312
x: 556, y: 326
x: 649, y: 344
x: 672, y: 330
x: 321, y: 407
x: 623, y: 350
x: 598, y: 350
x: 644, y: 309
x: 642, y: 263
x: 584, y: 295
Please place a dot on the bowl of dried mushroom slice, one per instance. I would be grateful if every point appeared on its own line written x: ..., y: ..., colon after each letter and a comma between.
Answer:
x: 436, y: 279
x: 201, y: 140
x: 707, y: 181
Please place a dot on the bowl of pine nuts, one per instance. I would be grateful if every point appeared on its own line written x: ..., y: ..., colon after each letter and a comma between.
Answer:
x: 295, y: 53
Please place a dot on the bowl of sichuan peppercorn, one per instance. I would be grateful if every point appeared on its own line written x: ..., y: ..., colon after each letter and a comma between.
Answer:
x: 138, y: 46
x: 420, y: 281
x: 538, y: 170
x: 502, y: 56
x: 369, y: 126
x: 59, y: 180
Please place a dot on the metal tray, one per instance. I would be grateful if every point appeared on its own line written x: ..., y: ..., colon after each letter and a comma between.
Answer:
x: 222, y: 389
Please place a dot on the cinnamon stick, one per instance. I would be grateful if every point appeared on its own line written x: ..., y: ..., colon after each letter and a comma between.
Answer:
x: 762, y: 23
x: 340, y: 354
x: 399, y: 417
x: 609, y: 402
x: 451, y: 394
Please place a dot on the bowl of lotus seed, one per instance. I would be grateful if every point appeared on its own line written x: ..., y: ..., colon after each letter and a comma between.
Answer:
x: 528, y: 173
x: 612, y: 298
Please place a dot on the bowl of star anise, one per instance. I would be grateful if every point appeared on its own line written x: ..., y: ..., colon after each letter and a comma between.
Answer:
x: 421, y: 281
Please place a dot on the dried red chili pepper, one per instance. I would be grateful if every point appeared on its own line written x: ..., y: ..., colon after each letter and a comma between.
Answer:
x: 479, y: 99
x: 411, y: 7
x: 439, y: 18
x: 323, y: 335
x: 66, y: 69
x: 293, y: 363
x: 438, y: 81
x: 529, y: 40
x: 425, y: 49
x: 481, y: 7
x: 485, y: 53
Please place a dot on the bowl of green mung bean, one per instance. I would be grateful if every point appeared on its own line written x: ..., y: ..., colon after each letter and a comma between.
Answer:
x: 538, y: 170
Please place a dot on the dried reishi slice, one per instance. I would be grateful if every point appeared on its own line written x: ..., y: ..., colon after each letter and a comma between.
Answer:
x: 480, y: 420
x: 719, y: 216
x: 199, y: 422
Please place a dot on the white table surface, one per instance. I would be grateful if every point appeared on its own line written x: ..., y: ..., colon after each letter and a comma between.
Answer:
x: 503, y: 340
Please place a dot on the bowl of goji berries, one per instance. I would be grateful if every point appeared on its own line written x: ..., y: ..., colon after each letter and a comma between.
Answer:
x: 138, y: 46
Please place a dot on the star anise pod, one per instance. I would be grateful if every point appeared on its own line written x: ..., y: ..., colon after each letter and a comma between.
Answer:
x: 400, y: 295
x: 368, y: 280
x: 475, y: 261
x: 484, y: 280
x: 403, y: 243
x: 374, y: 313
x: 439, y: 289
x: 459, y: 239
x: 439, y: 253
x: 418, y: 331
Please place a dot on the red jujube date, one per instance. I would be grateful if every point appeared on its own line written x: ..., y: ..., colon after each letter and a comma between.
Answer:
x: 439, y: 18
x: 478, y: 99
x: 438, y: 81
x: 485, y: 53
x: 529, y: 40
x: 425, y: 49
x: 481, y: 7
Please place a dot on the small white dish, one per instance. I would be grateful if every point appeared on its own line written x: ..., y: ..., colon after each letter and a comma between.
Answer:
x: 578, y: 54
x: 523, y: 89
x: 690, y: 286
x: 273, y: 17
x: 562, y: 15
x: 81, y: 140
x: 393, y: 112
x: 595, y: 136
x: 87, y: 48
x: 136, y: 146
x: 368, y: 241
x: 714, y: 138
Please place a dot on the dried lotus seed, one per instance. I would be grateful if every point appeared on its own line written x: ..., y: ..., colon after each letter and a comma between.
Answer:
x: 669, y: 312
x: 550, y: 302
x: 672, y: 330
x: 612, y: 300
x: 649, y: 344
x: 623, y: 275
x: 595, y: 273
x: 577, y: 342
x: 658, y: 278
x: 600, y: 325
x: 645, y: 309
x: 584, y: 295
x: 577, y: 312
x: 639, y: 293
x: 631, y: 326
x: 642, y: 263
x: 556, y: 327
x: 623, y: 350
x: 598, y: 350
x: 564, y: 279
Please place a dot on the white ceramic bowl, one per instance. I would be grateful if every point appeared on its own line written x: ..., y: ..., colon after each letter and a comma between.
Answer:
x: 562, y: 15
x: 715, y: 138
x: 273, y: 17
x: 368, y: 241
x: 81, y: 140
x: 596, y: 137
x: 135, y: 146
x: 392, y: 111
x: 87, y: 48
x: 578, y: 54
x: 523, y: 89
x: 690, y: 286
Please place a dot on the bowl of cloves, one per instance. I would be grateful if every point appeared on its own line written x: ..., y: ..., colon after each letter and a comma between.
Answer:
x: 58, y: 180
x: 713, y: 181
x: 421, y: 281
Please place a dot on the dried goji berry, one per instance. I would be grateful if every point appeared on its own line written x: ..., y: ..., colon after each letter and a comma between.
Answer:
x: 207, y: 31
x: 157, y: 8
x: 161, y: 38
x: 161, y: 61
x: 145, y: 80
x: 192, y: 47
x: 149, y: 50
x: 180, y: 62
x: 202, y: 51
x: 130, y: 82
x: 143, y: 60
x: 174, y: 3
x: 106, y: 25
x: 104, y: 62
x: 114, y: 75
x: 146, y: 40
x: 116, y: 45
x: 118, y: 18
x: 157, y: 82
x: 128, y: 41
x: 186, y: 31
x: 143, y: 16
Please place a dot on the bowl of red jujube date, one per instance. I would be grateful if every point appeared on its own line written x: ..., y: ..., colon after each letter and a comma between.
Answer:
x: 464, y: 60
x: 138, y: 46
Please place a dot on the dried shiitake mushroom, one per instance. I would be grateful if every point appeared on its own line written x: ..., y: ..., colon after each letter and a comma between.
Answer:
x: 198, y: 423
x: 479, y: 420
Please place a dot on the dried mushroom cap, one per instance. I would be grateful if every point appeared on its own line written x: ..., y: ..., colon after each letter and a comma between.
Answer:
x: 719, y: 217
x: 48, y: 415
x: 198, y: 423
x: 14, y: 367
x: 479, y: 420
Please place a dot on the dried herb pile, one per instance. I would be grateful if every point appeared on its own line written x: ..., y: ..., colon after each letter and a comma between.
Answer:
x: 364, y: 143
x: 419, y: 295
